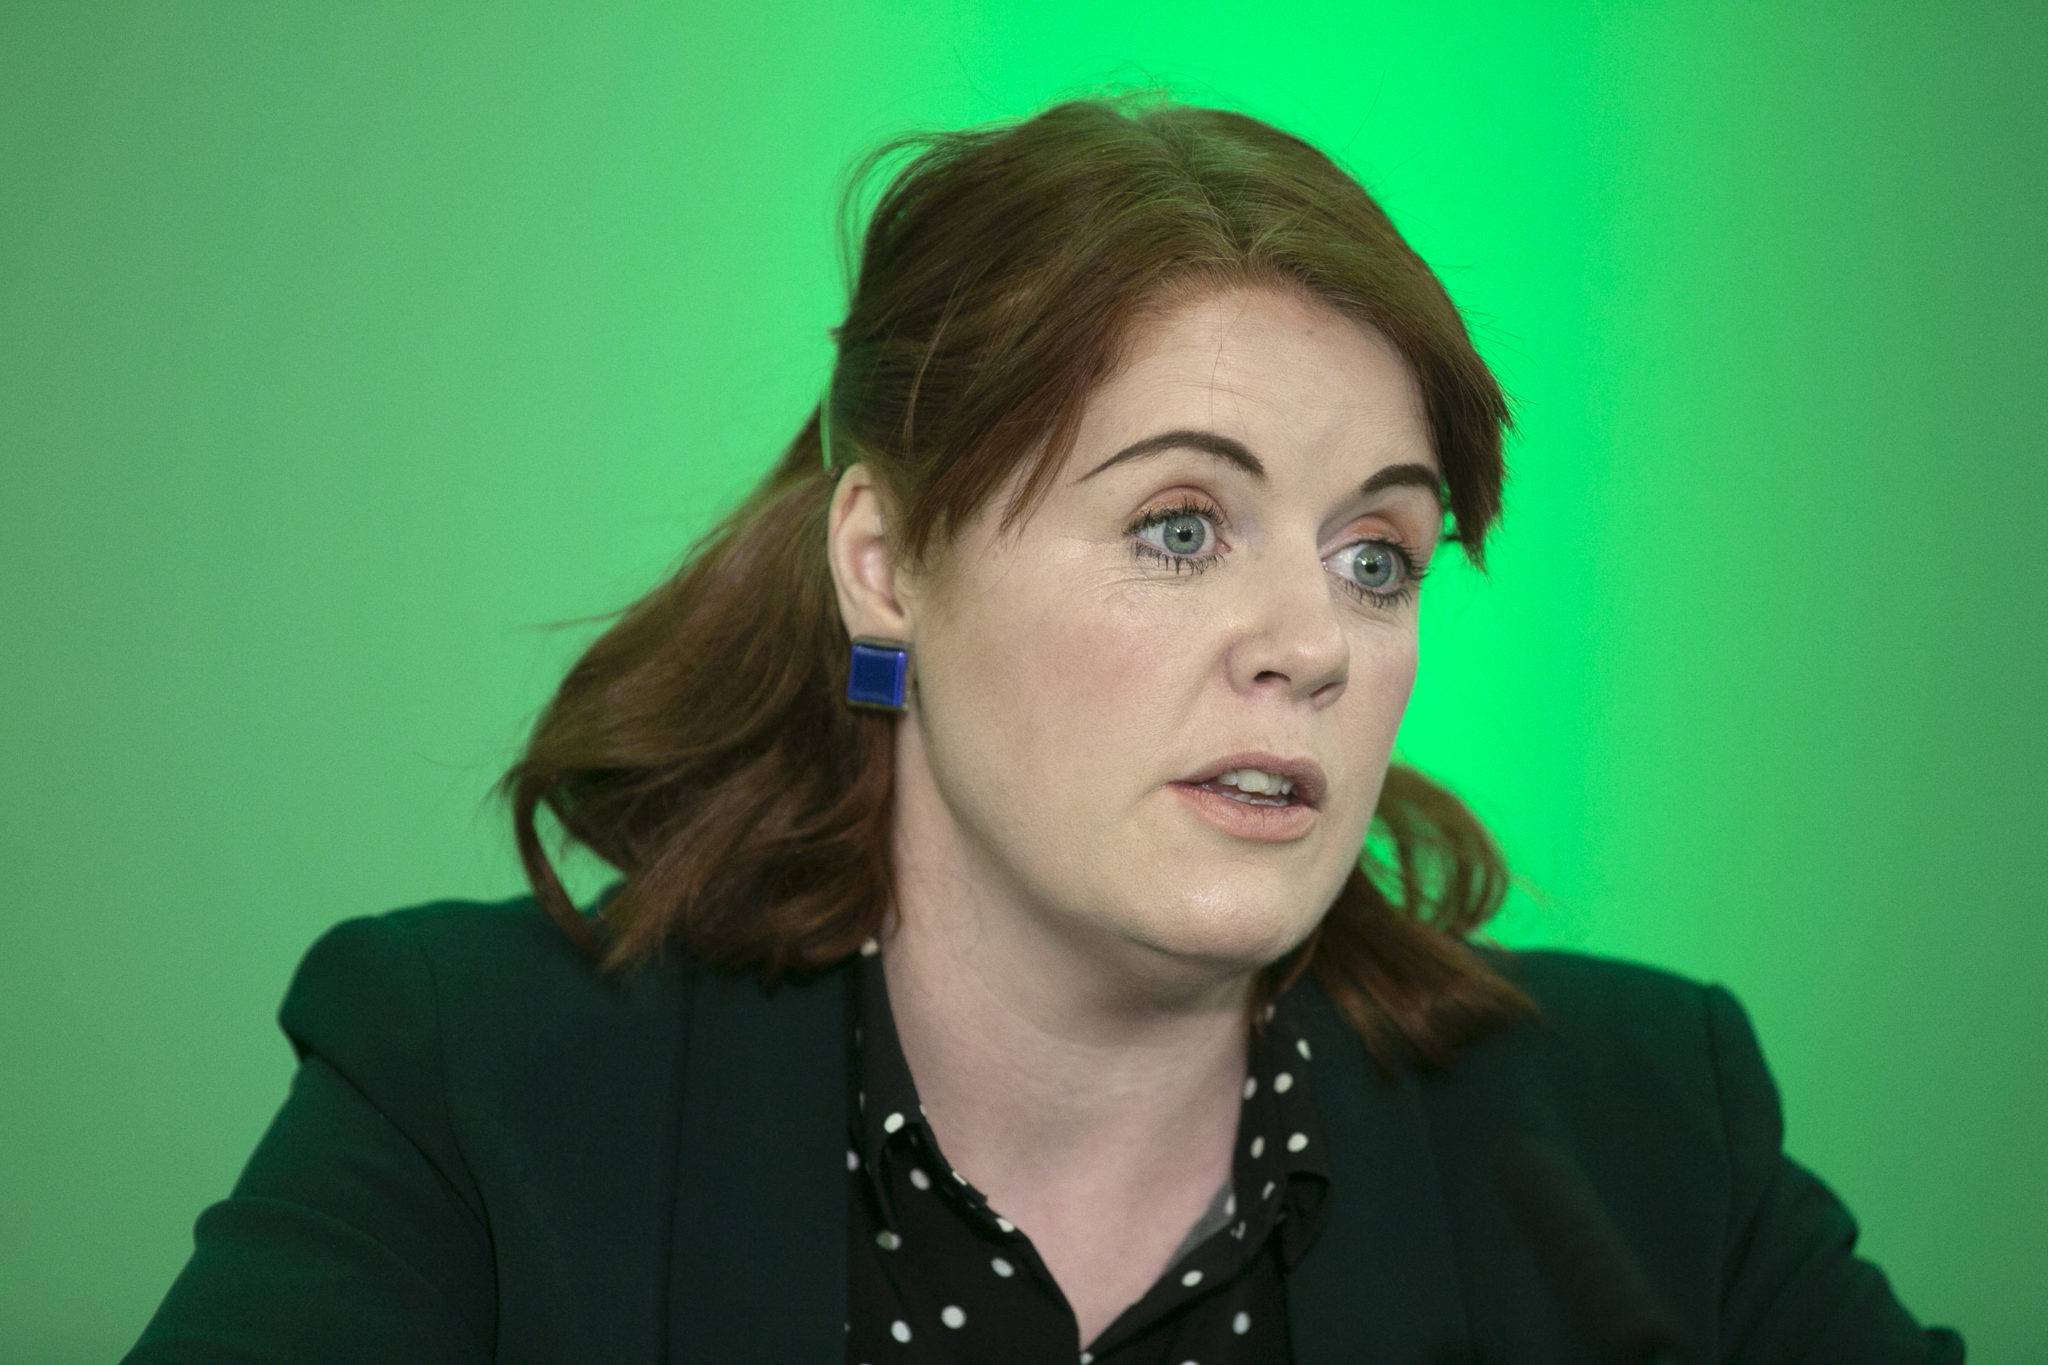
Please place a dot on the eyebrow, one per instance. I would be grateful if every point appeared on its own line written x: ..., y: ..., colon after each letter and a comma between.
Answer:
x: 1234, y: 452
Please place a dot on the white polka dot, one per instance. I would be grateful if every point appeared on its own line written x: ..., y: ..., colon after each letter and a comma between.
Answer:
x: 1230, y: 1207
x: 900, y: 1330
x: 887, y: 1240
x: 952, y: 1316
x: 1238, y: 1232
x: 919, y: 1178
x: 852, y: 1159
x: 1258, y: 1146
x: 869, y: 948
x: 1087, y: 1356
x: 1192, y: 1278
x: 1269, y: 1012
x: 1297, y: 1142
x: 1267, y: 1193
x: 1283, y: 1083
x: 1005, y: 1224
x: 1002, y: 1267
x: 1241, y: 1324
x: 1301, y: 1046
x: 959, y: 1178
x: 892, y: 1123
x: 1251, y: 1086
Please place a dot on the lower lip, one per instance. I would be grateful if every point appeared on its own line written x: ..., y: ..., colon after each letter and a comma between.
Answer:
x: 1265, y: 824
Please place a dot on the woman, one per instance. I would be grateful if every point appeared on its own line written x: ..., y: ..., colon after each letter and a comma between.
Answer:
x: 995, y: 974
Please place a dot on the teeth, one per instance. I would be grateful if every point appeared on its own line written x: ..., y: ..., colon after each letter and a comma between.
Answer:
x: 1258, y: 781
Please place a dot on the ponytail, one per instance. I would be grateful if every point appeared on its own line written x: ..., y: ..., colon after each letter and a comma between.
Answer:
x: 700, y: 747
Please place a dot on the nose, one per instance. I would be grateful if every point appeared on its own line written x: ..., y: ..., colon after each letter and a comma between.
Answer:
x: 1292, y: 637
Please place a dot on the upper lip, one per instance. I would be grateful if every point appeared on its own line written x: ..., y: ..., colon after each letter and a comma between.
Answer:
x: 1304, y: 773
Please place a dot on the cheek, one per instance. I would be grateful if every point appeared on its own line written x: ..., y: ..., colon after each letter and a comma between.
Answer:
x: 1390, y: 664
x: 1065, y: 689
x: 1375, y: 700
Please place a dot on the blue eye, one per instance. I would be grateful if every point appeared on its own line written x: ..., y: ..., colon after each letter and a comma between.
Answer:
x: 1377, y: 570
x: 1187, y: 537
x: 1375, y: 565
x: 1182, y: 533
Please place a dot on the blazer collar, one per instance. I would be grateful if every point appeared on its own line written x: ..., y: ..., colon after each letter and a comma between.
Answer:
x: 758, y: 1265
x: 758, y: 1259
x: 1383, y: 1270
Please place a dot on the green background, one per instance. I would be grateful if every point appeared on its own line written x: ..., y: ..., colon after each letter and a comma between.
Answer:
x: 343, y: 347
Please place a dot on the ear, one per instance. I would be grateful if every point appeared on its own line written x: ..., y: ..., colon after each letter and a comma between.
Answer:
x: 872, y: 590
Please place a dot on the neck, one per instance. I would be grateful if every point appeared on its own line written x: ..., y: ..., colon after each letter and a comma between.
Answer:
x: 1050, y: 1064
x: 1088, y: 1085
x: 1025, y: 1077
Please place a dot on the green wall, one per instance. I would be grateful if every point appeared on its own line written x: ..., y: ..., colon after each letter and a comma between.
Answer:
x: 342, y: 347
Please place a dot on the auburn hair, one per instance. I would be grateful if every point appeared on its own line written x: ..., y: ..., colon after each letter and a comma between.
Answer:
x: 701, y: 745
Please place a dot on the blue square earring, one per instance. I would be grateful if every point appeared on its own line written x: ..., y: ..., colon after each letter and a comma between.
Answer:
x: 878, y: 674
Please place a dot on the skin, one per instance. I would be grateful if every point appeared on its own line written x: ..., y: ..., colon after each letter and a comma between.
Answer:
x: 1074, y: 945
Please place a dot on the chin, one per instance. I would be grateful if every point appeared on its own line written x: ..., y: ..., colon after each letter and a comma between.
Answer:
x: 1229, y: 937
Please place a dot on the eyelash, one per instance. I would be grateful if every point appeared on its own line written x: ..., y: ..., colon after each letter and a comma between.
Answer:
x: 1412, y: 574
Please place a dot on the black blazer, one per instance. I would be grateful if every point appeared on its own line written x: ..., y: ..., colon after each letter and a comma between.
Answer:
x: 491, y: 1154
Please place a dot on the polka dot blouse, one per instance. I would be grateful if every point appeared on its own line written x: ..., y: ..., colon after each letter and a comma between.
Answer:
x: 935, y: 1274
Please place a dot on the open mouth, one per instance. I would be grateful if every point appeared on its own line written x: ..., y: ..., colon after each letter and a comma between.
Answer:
x: 1217, y: 785
x: 1253, y: 777
x: 1275, y: 803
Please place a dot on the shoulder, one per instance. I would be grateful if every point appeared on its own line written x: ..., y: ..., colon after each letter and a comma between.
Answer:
x: 409, y: 947
x: 482, y: 990
x: 1594, y: 1005
x: 1655, y: 1085
x: 1610, y: 1026
x: 499, y: 947
x: 1618, y: 1053
x: 1585, y: 989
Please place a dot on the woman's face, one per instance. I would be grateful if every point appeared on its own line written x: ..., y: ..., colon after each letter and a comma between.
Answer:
x: 1219, y: 589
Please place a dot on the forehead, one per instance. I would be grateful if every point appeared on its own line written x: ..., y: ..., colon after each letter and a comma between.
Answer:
x: 1309, y: 388
x: 1301, y: 383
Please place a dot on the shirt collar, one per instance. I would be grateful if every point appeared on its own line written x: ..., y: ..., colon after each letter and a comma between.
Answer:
x: 884, y: 1101
x: 1280, y: 1168
x: 1282, y: 1155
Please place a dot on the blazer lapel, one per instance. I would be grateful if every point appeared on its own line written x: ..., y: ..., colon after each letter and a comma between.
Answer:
x: 758, y: 1268
x: 759, y: 1243
x: 1379, y: 1283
